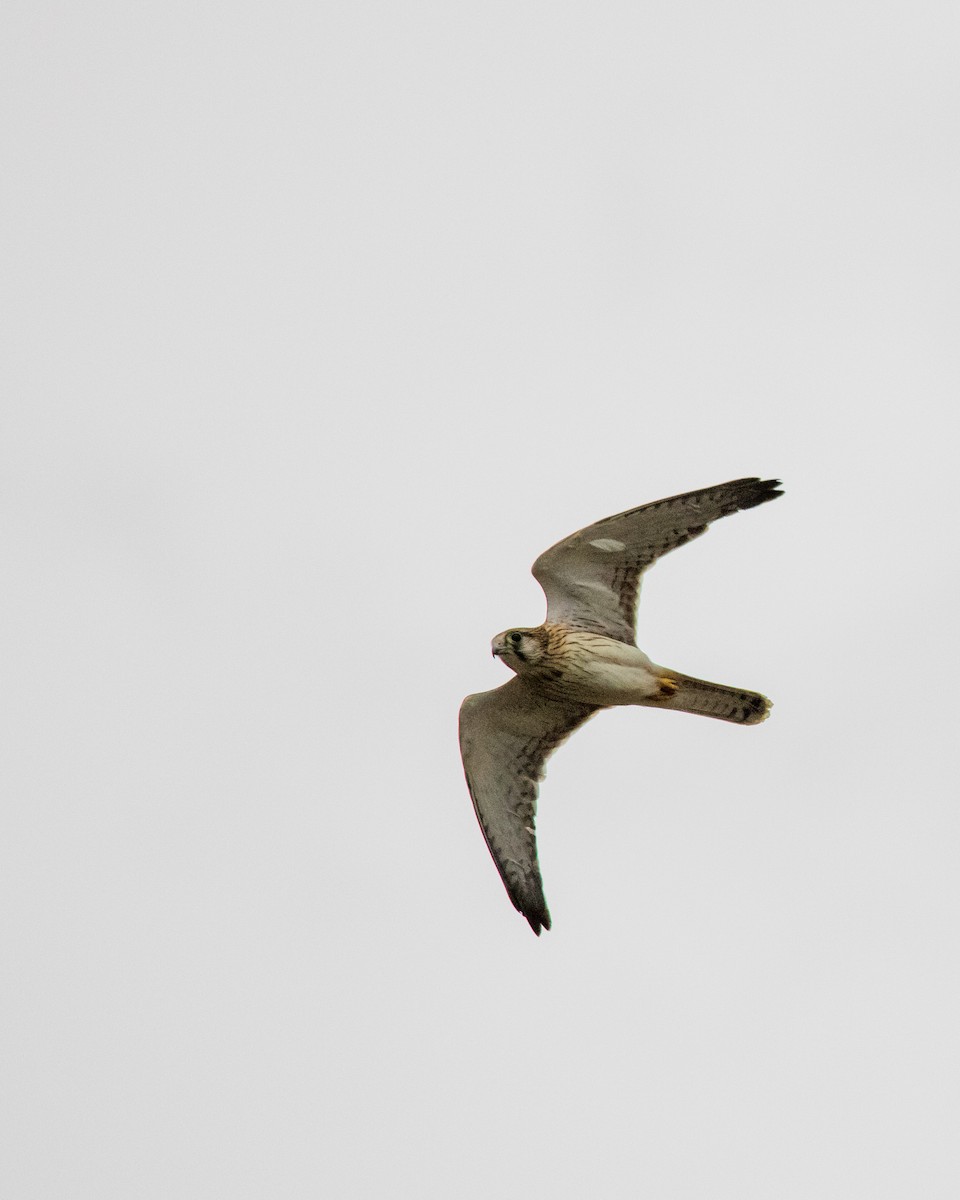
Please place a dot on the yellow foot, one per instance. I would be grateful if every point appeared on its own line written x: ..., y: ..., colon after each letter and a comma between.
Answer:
x: 668, y: 687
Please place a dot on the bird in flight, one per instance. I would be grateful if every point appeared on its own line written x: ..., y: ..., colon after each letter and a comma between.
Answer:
x: 581, y: 659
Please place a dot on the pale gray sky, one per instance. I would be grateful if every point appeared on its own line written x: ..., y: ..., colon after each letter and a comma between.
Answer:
x: 321, y: 321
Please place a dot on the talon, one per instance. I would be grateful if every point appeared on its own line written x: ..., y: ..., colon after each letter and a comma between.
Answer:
x: 668, y: 686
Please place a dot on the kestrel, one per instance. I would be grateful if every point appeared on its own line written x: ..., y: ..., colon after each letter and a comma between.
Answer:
x: 581, y: 659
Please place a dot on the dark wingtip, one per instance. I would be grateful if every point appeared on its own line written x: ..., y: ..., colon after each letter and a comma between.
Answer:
x: 758, y: 491
x: 538, y: 920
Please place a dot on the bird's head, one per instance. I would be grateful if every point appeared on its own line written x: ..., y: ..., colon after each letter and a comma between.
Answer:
x: 520, y: 649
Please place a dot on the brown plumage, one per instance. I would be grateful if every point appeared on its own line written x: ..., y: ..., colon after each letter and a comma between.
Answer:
x: 583, y: 658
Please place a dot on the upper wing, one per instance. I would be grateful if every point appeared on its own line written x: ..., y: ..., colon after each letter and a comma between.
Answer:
x: 592, y: 578
x: 506, y: 736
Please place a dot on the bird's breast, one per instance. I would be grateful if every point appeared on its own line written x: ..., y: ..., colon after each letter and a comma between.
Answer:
x: 593, y: 669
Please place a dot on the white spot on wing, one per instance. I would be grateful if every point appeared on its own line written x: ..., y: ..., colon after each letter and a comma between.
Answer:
x: 610, y: 544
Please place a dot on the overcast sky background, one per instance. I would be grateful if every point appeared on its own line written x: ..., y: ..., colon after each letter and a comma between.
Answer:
x: 321, y: 321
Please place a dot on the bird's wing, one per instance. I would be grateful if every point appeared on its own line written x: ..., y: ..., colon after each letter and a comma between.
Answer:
x: 592, y: 578
x: 506, y: 736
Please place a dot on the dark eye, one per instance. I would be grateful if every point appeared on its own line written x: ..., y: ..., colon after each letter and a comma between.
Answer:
x: 515, y: 638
